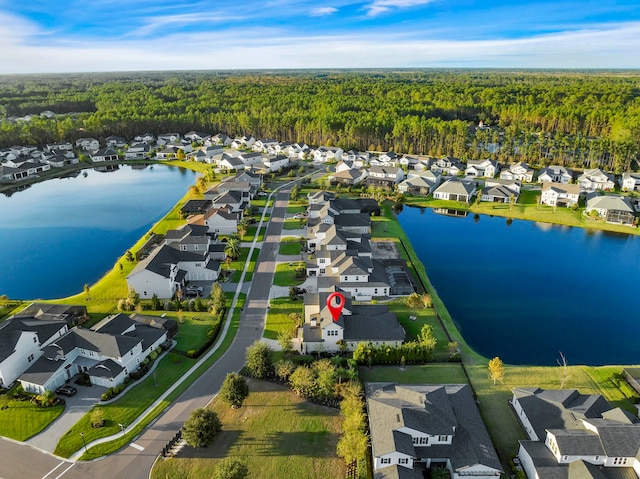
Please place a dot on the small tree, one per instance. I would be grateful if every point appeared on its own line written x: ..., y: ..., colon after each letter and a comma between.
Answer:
x: 259, y: 361
x: 87, y: 291
x: 496, y: 370
x: 564, y: 367
x: 303, y: 381
x: 234, y: 390
x: 284, y: 368
x: 232, y: 250
x: 284, y: 340
x: 156, y: 304
x: 414, y: 301
x: 201, y: 428
x: 230, y: 468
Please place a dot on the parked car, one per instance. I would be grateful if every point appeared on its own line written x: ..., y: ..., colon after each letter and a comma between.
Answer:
x: 262, y: 193
x: 66, y: 391
x: 193, y: 290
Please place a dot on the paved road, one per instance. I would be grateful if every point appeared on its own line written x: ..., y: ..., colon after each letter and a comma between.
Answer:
x: 19, y: 461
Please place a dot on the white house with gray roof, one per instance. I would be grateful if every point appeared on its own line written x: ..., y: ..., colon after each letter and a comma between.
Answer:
x: 482, y: 168
x: 418, y: 426
x: 554, y: 174
x: 630, y: 181
x: 356, y: 324
x: 557, y: 194
x: 422, y: 183
x: 518, y: 171
x: 501, y: 191
x: 455, y: 190
x: 21, y: 340
x: 574, y: 435
x: 108, y: 353
x: 595, y: 179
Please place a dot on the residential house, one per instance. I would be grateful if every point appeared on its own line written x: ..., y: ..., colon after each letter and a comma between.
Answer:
x: 518, y: 171
x: 183, y: 257
x: 243, y: 142
x: 612, y: 208
x: 235, y: 200
x: 88, y: 144
x: 327, y: 153
x: 60, y: 160
x: 594, y: 180
x: 356, y: 324
x: 348, y: 177
x: 557, y: 194
x: 197, y: 136
x: 554, y: 174
x: 10, y: 173
x: 166, y: 153
x: 219, y: 139
x: 455, y: 190
x: 574, y: 435
x: 115, y: 141
x: 221, y: 220
x: 420, y: 426
x: 231, y: 163
x: 145, y: 138
x: 275, y: 163
x: 195, y: 207
x: 250, y: 158
x: 137, y: 151
x: 61, y: 145
x: 422, y: 183
x: 385, y: 177
x: 481, y: 168
x: 104, y: 154
x: 164, y: 138
x: 630, y: 181
x: 448, y: 166
x: 71, y: 314
x: 408, y: 162
x: 108, y: 353
x: 21, y: 340
x: 501, y: 191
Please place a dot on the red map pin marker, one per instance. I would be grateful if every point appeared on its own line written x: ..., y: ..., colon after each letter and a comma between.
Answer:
x: 335, y: 307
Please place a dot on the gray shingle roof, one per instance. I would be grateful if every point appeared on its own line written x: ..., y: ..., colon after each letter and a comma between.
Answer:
x: 456, y: 187
x: 11, y: 330
x: 610, y: 202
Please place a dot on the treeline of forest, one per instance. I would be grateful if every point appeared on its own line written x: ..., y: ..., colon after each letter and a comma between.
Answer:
x: 574, y: 118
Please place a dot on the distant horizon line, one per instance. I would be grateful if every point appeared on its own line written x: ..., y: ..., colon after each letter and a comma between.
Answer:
x: 332, y: 69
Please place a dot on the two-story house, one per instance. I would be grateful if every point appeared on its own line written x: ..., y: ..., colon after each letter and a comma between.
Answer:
x: 558, y: 194
x: 421, y: 426
x: 481, y: 169
x: 518, y: 171
x: 595, y: 179
x: 554, y: 174
x: 384, y: 176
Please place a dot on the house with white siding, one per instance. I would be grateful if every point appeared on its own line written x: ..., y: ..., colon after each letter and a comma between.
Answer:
x: 575, y: 435
x: 518, y: 171
x: 455, y: 190
x: 481, y: 169
x: 595, y: 180
x: 415, y: 427
x: 615, y: 209
x: 558, y: 194
x: 630, y: 181
x: 554, y: 174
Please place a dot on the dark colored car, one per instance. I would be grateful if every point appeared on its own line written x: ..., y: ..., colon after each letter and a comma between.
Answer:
x: 66, y: 390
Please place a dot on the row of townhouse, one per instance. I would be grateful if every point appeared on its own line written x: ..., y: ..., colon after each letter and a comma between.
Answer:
x: 20, y: 162
x: 43, y: 350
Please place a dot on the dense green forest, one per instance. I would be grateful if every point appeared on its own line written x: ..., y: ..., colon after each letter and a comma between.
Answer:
x: 580, y: 119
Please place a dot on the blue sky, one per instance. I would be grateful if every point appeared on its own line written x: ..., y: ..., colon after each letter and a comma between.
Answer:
x: 121, y: 35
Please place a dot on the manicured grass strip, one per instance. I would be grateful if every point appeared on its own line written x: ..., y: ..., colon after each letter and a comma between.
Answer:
x: 275, y: 434
x: 423, y: 317
x: 436, y: 373
x: 112, y: 446
x: 292, y: 209
x: 248, y: 276
x: 286, y: 274
x: 278, y: 316
x: 293, y: 224
x: 252, y: 232
x: 237, y: 265
x: 290, y: 246
x: 23, y: 419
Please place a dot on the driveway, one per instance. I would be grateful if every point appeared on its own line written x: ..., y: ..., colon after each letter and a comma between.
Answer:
x: 76, y: 407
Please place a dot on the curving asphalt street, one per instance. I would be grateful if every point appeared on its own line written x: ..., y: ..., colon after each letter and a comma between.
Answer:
x: 20, y: 461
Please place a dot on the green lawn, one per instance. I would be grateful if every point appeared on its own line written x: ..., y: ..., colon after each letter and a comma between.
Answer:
x: 252, y: 266
x: 436, y: 373
x: 293, y: 224
x: 23, y: 419
x: 252, y: 232
x: 238, y: 265
x: 275, y: 434
x: 192, y: 330
x: 286, y: 275
x: 292, y: 209
x: 290, y: 246
x: 278, y: 316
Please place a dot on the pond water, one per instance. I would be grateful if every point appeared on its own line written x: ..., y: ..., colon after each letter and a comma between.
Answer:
x: 524, y: 291
x: 60, y: 234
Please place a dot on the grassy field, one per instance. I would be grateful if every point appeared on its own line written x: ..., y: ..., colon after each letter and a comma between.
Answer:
x: 275, y: 434
x: 237, y: 265
x: 290, y: 246
x: 23, y: 419
x: 293, y: 208
x: 285, y: 274
x: 278, y: 316
x: 192, y: 330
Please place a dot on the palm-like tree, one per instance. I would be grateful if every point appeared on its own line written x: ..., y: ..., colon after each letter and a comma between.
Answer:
x: 232, y: 250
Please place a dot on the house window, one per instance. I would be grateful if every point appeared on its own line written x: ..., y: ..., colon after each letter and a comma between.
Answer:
x: 35, y: 339
x: 442, y: 438
x: 183, y: 247
x: 385, y: 460
x: 357, y: 278
x: 403, y: 460
x: 30, y: 358
x: 321, y: 260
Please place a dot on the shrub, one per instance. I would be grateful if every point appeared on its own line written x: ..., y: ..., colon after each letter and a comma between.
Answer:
x: 191, y: 353
x: 234, y: 390
x: 153, y: 355
x: 97, y: 417
x: 201, y: 428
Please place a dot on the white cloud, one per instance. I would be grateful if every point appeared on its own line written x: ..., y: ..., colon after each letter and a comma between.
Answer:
x: 381, y: 6
x: 608, y: 46
x: 322, y: 11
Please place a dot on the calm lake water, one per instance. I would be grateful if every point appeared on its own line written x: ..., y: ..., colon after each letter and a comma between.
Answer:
x: 528, y: 290
x: 60, y: 234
